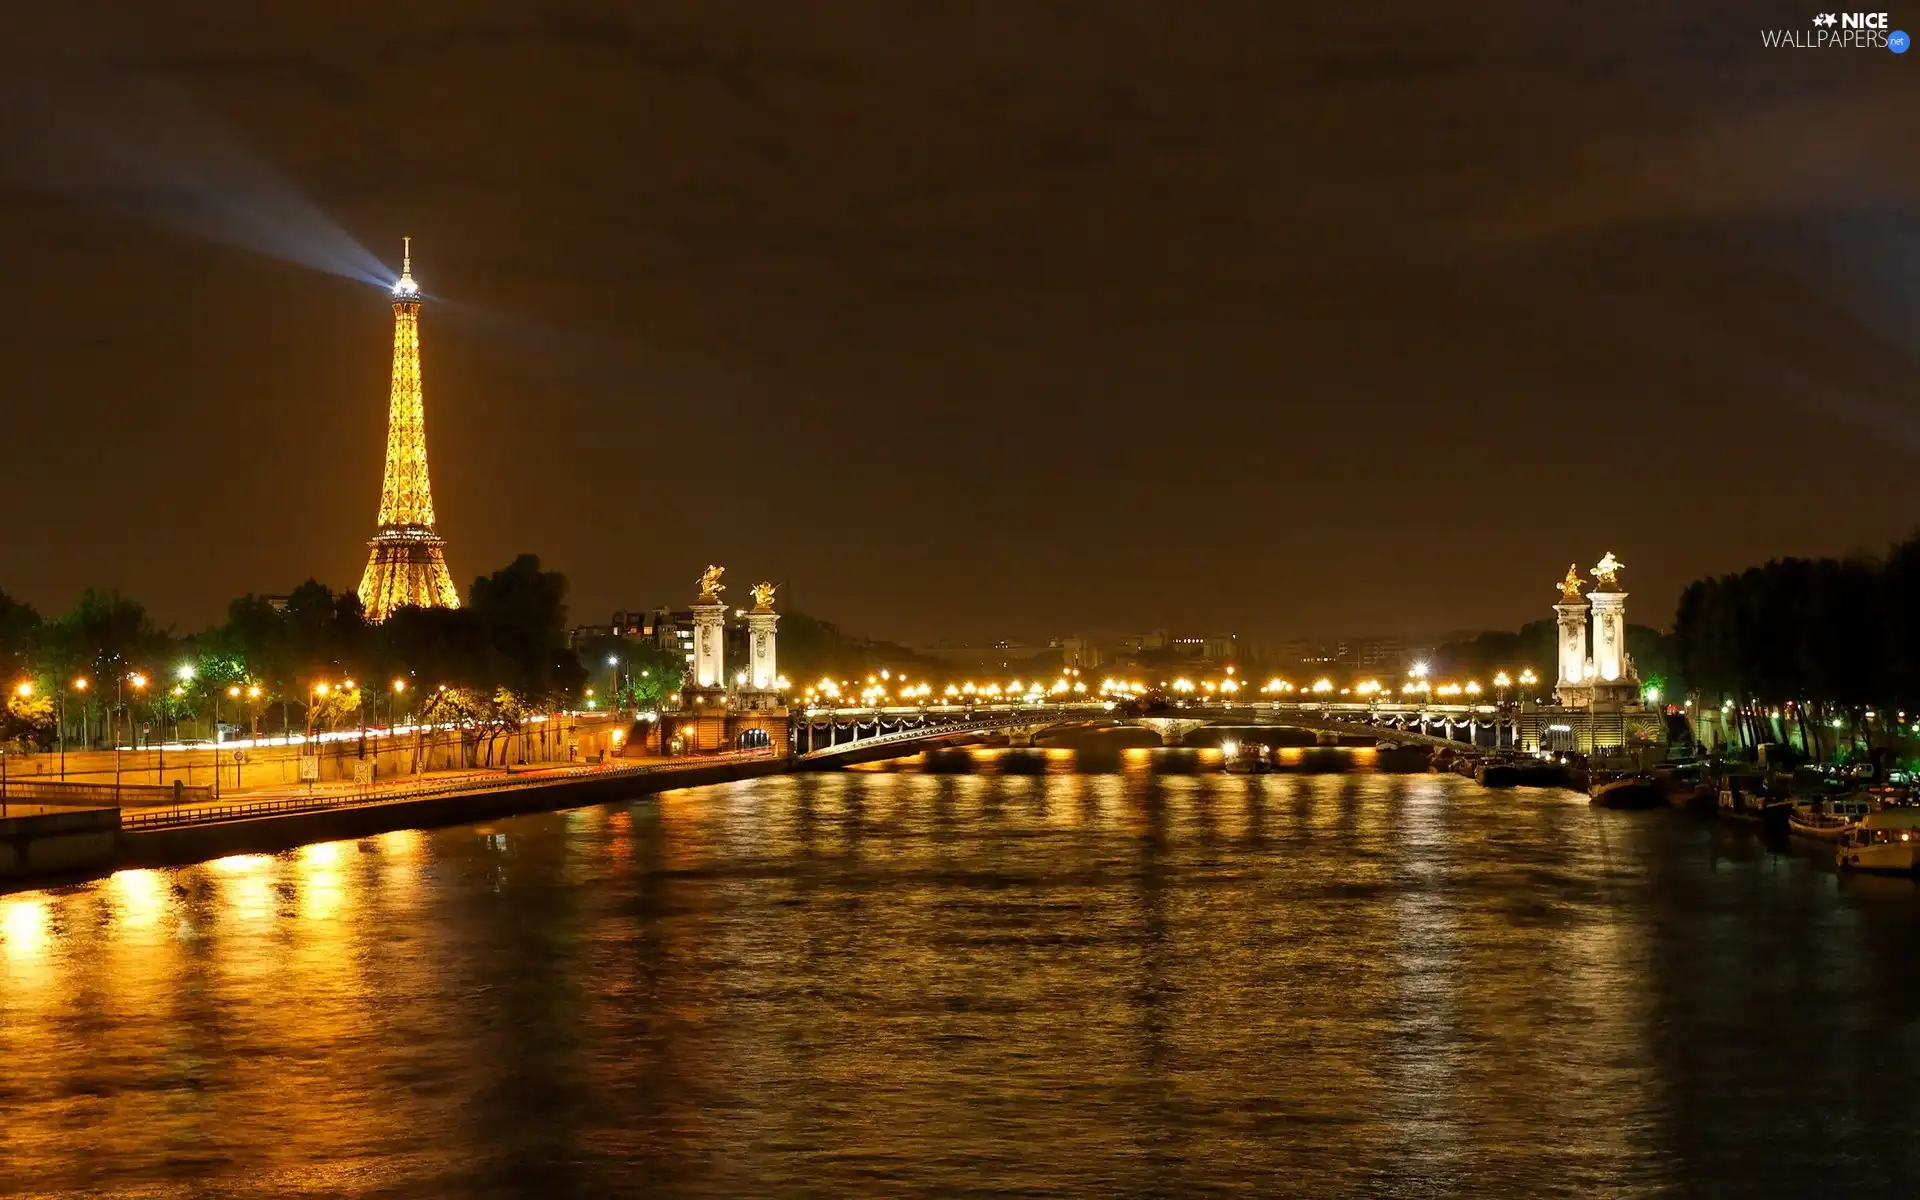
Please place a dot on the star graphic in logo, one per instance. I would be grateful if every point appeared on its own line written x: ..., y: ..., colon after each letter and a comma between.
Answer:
x: 1827, y: 19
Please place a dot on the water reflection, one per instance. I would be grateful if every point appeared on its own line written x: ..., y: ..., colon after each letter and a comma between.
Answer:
x: 985, y: 970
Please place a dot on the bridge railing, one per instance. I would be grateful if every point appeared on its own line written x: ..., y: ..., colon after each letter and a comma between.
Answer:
x: 973, y: 722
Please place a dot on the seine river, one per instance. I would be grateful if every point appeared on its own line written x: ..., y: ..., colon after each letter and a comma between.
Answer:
x: 994, y: 972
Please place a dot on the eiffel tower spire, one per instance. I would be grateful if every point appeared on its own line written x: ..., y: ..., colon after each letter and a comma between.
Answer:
x: 407, y: 563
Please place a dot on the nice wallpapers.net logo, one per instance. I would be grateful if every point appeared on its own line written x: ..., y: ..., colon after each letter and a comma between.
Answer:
x: 1840, y: 31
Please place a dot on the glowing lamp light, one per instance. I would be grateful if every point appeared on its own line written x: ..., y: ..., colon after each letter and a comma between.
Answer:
x: 23, y: 690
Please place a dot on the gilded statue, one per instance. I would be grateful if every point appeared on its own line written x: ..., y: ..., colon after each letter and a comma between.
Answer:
x: 763, y: 597
x: 1571, y: 585
x: 710, y: 585
x: 1607, y: 571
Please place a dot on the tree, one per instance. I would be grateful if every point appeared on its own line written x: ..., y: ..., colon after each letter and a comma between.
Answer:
x: 650, y: 675
x: 335, y: 708
x: 27, y: 719
x: 1813, y: 643
x: 811, y: 648
x: 524, y: 612
x: 465, y: 709
x: 19, y: 639
x: 105, y: 636
x: 433, y: 646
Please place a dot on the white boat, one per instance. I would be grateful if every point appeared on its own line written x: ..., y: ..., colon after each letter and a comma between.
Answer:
x: 1828, y: 820
x: 1881, y: 841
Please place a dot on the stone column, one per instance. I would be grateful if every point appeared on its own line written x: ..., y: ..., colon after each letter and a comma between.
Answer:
x: 1573, y: 642
x: 1609, y: 636
x: 763, y: 671
x: 709, y: 646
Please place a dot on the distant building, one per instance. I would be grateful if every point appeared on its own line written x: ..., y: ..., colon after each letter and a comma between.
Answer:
x: 1373, y: 653
x: 1080, y: 652
x: 1209, y: 647
x: 991, y: 658
x: 668, y: 629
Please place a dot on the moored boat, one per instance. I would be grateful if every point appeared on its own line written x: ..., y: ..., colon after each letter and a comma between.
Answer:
x: 1828, y: 819
x: 1246, y: 758
x: 1882, y: 841
x: 1746, y: 799
x: 1495, y: 773
x: 1625, y: 789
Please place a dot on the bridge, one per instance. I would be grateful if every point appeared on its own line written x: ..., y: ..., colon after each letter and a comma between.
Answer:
x: 825, y: 734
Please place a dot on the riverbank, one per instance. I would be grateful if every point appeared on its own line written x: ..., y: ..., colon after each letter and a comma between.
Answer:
x: 161, y: 839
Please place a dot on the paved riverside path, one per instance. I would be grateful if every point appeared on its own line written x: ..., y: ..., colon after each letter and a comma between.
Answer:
x: 263, y: 822
x: 289, y: 798
x: 404, y: 786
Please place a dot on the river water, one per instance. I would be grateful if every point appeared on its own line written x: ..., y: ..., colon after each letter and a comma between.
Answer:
x: 994, y: 971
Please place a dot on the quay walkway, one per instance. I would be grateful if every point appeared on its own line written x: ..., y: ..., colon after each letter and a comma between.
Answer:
x: 278, y: 818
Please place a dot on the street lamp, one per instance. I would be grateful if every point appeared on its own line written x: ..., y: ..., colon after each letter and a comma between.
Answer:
x: 24, y: 690
x: 317, y: 692
x: 79, y: 685
x: 139, y: 683
x: 360, y: 702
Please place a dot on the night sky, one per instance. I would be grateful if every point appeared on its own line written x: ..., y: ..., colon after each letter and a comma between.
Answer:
x: 969, y: 319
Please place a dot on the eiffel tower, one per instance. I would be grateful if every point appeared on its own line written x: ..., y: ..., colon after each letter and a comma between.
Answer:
x: 407, y: 563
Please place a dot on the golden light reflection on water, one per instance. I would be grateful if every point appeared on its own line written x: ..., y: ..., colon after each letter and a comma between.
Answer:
x: 318, y: 880
x: 1154, y: 983
x: 401, y: 845
x: 139, y: 898
x: 245, y: 886
x: 23, y: 929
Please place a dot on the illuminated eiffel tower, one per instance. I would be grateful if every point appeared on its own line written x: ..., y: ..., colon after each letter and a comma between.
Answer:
x: 407, y: 563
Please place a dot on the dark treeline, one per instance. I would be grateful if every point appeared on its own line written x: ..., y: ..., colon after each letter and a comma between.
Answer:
x: 105, y: 672
x: 1821, y: 641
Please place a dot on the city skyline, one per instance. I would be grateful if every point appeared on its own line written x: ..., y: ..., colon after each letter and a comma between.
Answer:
x: 938, y: 297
